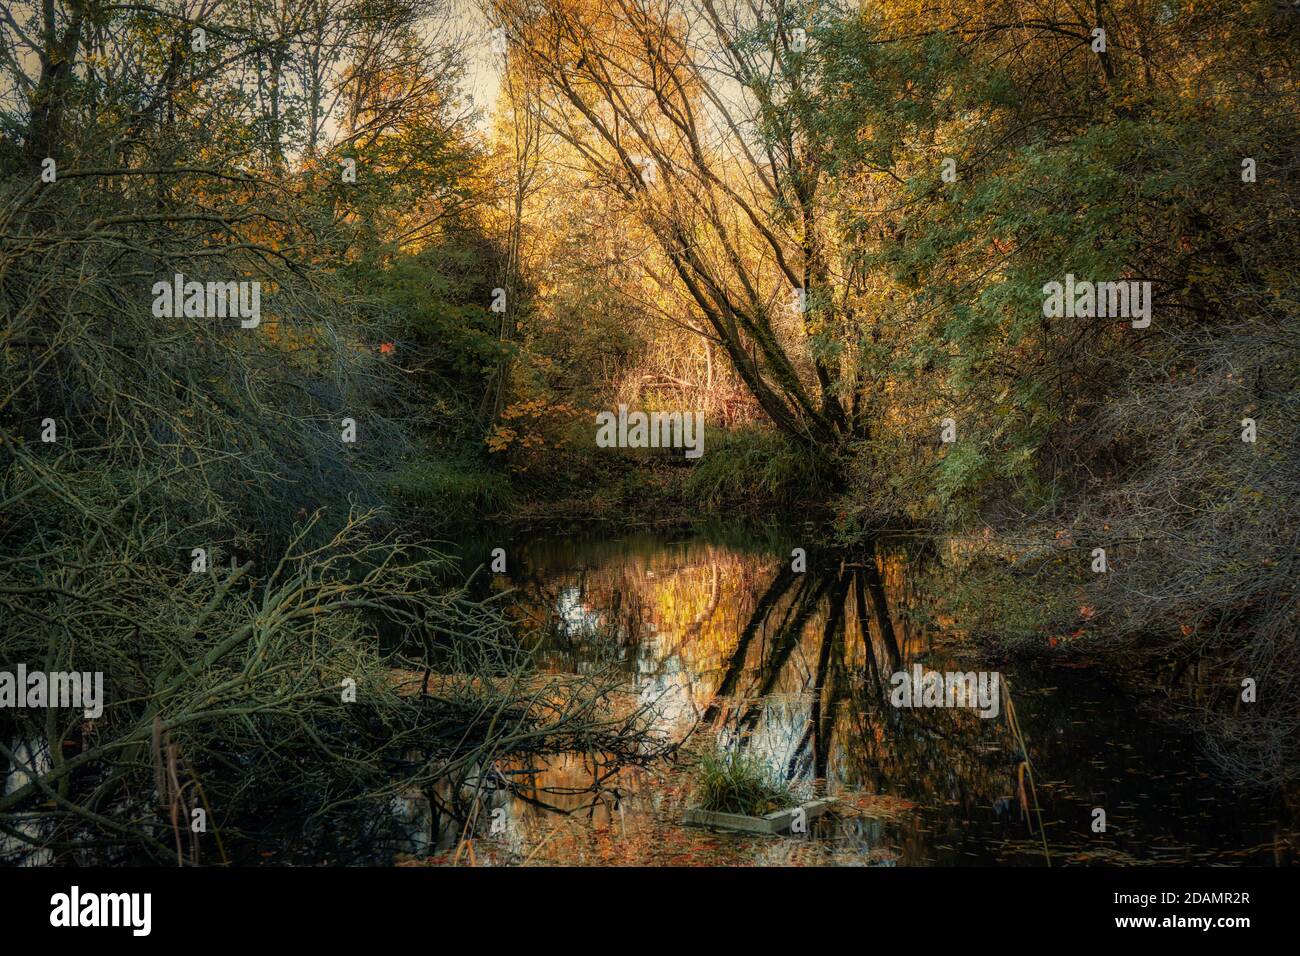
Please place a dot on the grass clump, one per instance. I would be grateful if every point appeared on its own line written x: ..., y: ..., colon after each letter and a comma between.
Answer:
x: 731, y: 782
x: 451, y: 487
x: 755, y: 468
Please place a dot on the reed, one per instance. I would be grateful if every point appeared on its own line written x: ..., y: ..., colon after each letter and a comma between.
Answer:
x: 1025, y: 769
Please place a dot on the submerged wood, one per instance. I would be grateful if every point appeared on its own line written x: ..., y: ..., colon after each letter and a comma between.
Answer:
x: 778, y: 821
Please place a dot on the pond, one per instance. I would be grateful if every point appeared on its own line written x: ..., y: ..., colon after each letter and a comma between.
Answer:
x: 736, y: 650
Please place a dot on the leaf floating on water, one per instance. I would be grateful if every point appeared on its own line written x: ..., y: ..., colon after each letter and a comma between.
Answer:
x: 877, y: 806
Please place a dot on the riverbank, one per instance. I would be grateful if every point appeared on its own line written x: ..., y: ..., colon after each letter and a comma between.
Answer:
x: 1041, y: 586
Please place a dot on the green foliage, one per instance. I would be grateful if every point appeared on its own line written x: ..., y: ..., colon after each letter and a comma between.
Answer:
x: 756, y: 468
x: 1123, y: 169
x: 454, y: 490
x: 731, y: 781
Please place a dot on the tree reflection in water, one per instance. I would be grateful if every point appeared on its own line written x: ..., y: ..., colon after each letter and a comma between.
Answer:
x: 795, y: 668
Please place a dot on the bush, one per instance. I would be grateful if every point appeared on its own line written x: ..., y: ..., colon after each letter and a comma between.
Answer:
x: 755, y: 468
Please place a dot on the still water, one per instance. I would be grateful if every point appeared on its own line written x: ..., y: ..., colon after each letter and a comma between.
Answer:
x: 735, y: 650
